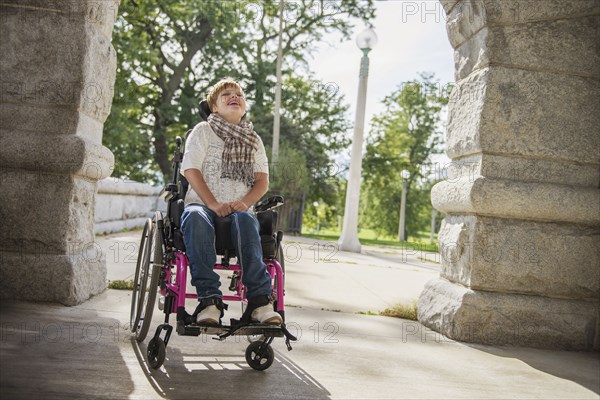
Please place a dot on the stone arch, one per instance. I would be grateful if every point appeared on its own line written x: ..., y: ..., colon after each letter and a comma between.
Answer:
x: 522, y: 222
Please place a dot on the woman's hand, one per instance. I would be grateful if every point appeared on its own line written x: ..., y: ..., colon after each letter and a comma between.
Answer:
x: 238, y: 206
x: 221, y: 209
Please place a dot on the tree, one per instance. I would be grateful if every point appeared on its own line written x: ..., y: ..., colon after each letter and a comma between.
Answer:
x: 156, y: 43
x: 403, y: 137
x: 171, y: 51
x: 306, y: 22
x: 313, y: 119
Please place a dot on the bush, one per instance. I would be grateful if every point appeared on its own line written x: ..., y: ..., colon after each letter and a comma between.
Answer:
x: 404, y: 311
x: 121, y: 285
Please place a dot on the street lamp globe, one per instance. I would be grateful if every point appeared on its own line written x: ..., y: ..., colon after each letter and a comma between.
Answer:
x: 405, y: 174
x: 367, y: 39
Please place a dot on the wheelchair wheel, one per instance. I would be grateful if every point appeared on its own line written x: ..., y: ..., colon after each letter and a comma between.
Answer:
x: 259, y: 355
x: 137, y: 293
x: 281, y: 261
x: 156, y: 353
x: 149, y: 276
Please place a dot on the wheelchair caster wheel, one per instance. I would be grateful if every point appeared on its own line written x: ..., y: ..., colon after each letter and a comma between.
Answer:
x: 255, y: 338
x: 156, y: 353
x: 259, y: 355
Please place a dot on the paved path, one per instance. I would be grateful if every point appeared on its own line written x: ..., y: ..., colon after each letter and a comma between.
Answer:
x: 54, y: 352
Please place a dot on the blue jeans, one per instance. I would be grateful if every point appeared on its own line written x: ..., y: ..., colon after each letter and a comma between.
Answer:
x: 198, y: 228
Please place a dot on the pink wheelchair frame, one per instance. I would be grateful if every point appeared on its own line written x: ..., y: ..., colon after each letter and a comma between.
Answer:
x: 178, y: 287
x: 162, y: 267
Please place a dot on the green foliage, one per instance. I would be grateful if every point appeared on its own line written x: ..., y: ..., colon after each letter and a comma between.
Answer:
x: 404, y: 311
x: 171, y: 51
x: 366, y: 239
x: 312, y: 119
x: 157, y: 44
x: 289, y: 175
x: 121, y: 285
x: 403, y: 137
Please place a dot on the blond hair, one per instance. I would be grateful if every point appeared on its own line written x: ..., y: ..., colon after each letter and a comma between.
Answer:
x: 214, y: 92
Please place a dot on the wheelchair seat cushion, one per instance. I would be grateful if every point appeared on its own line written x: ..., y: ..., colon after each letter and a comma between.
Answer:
x: 224, y: 243
x: 267, y: 221
x: 223, y: 240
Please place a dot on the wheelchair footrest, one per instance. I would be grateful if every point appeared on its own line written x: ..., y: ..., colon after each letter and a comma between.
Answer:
x: 259, y: 329
x: 226, y: 330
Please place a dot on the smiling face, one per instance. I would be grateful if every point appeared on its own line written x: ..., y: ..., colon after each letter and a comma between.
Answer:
x: 229, y: 102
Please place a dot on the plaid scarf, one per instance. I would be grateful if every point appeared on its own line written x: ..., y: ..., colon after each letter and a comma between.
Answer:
x: 240, y: 144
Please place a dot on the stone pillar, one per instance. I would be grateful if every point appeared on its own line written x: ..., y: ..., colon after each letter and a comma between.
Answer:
x: 58, y: 71
x: 520, y: 240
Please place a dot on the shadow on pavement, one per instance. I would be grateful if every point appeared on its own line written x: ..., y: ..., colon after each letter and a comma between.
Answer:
x: 400, y: 258
x: 225, y: 376
x: 582, y: 368
x: 48, y: 351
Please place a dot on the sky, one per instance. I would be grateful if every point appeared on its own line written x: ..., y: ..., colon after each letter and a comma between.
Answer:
x: 412, y: 38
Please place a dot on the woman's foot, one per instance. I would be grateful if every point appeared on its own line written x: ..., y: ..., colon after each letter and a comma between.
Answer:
x: 266, y: 315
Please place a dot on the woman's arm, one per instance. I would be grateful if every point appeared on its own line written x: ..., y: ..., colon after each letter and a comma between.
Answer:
x: 195, y: 178
x: 261, y: 186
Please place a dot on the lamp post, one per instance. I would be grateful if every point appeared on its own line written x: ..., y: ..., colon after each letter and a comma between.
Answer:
x: 432, y: 233
x: 402, y: 228
x: 365, y: 41
x: 276, y: 119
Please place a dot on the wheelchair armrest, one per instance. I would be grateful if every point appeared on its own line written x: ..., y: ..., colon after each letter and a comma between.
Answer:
x: 268, y: 204
x: 168, y: 192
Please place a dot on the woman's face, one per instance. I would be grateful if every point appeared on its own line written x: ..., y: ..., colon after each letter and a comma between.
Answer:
x: 231, y: 104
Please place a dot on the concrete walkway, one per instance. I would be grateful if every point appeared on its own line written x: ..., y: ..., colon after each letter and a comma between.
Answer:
x: 56, y: 352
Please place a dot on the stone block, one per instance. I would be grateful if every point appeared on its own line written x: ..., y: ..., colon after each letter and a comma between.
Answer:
x: 472, y: 55
x: 118, y: 200
x: 65, y: 154
x: 465, y: 108
x: 507, y: 12
x: 46, y: 212
x: 99, y: 75
x: 101, y: 13
x: 45, y: 66
x: 508, y: 319
x: 523, y: 113
x: 519, y: 200
x: 17, y: 118
x: 118, y: 207
x: 521, y: 257
x: 464, y: 20
x: 468, y: 17
x: 68, y: 278
x: 119, y: 186
x: 518, y: 169
x: 35, y: 118
x: 448, y: 4
x: 534, y: 45
x: 117, y: 226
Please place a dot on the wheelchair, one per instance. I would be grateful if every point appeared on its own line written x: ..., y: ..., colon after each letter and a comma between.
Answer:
x: 162, y: 267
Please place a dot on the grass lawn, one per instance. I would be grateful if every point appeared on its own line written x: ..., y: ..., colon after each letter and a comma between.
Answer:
x: 368, y: 237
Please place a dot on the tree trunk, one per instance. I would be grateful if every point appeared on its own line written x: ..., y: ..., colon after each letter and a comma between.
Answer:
x: 161, y: 149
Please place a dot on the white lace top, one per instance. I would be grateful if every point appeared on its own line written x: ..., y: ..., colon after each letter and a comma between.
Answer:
x: 203, y: 151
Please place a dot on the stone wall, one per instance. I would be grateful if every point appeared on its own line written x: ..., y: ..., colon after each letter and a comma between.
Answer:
x: 58, y: 70
x: 521, y: 237
x: 125, y: 205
